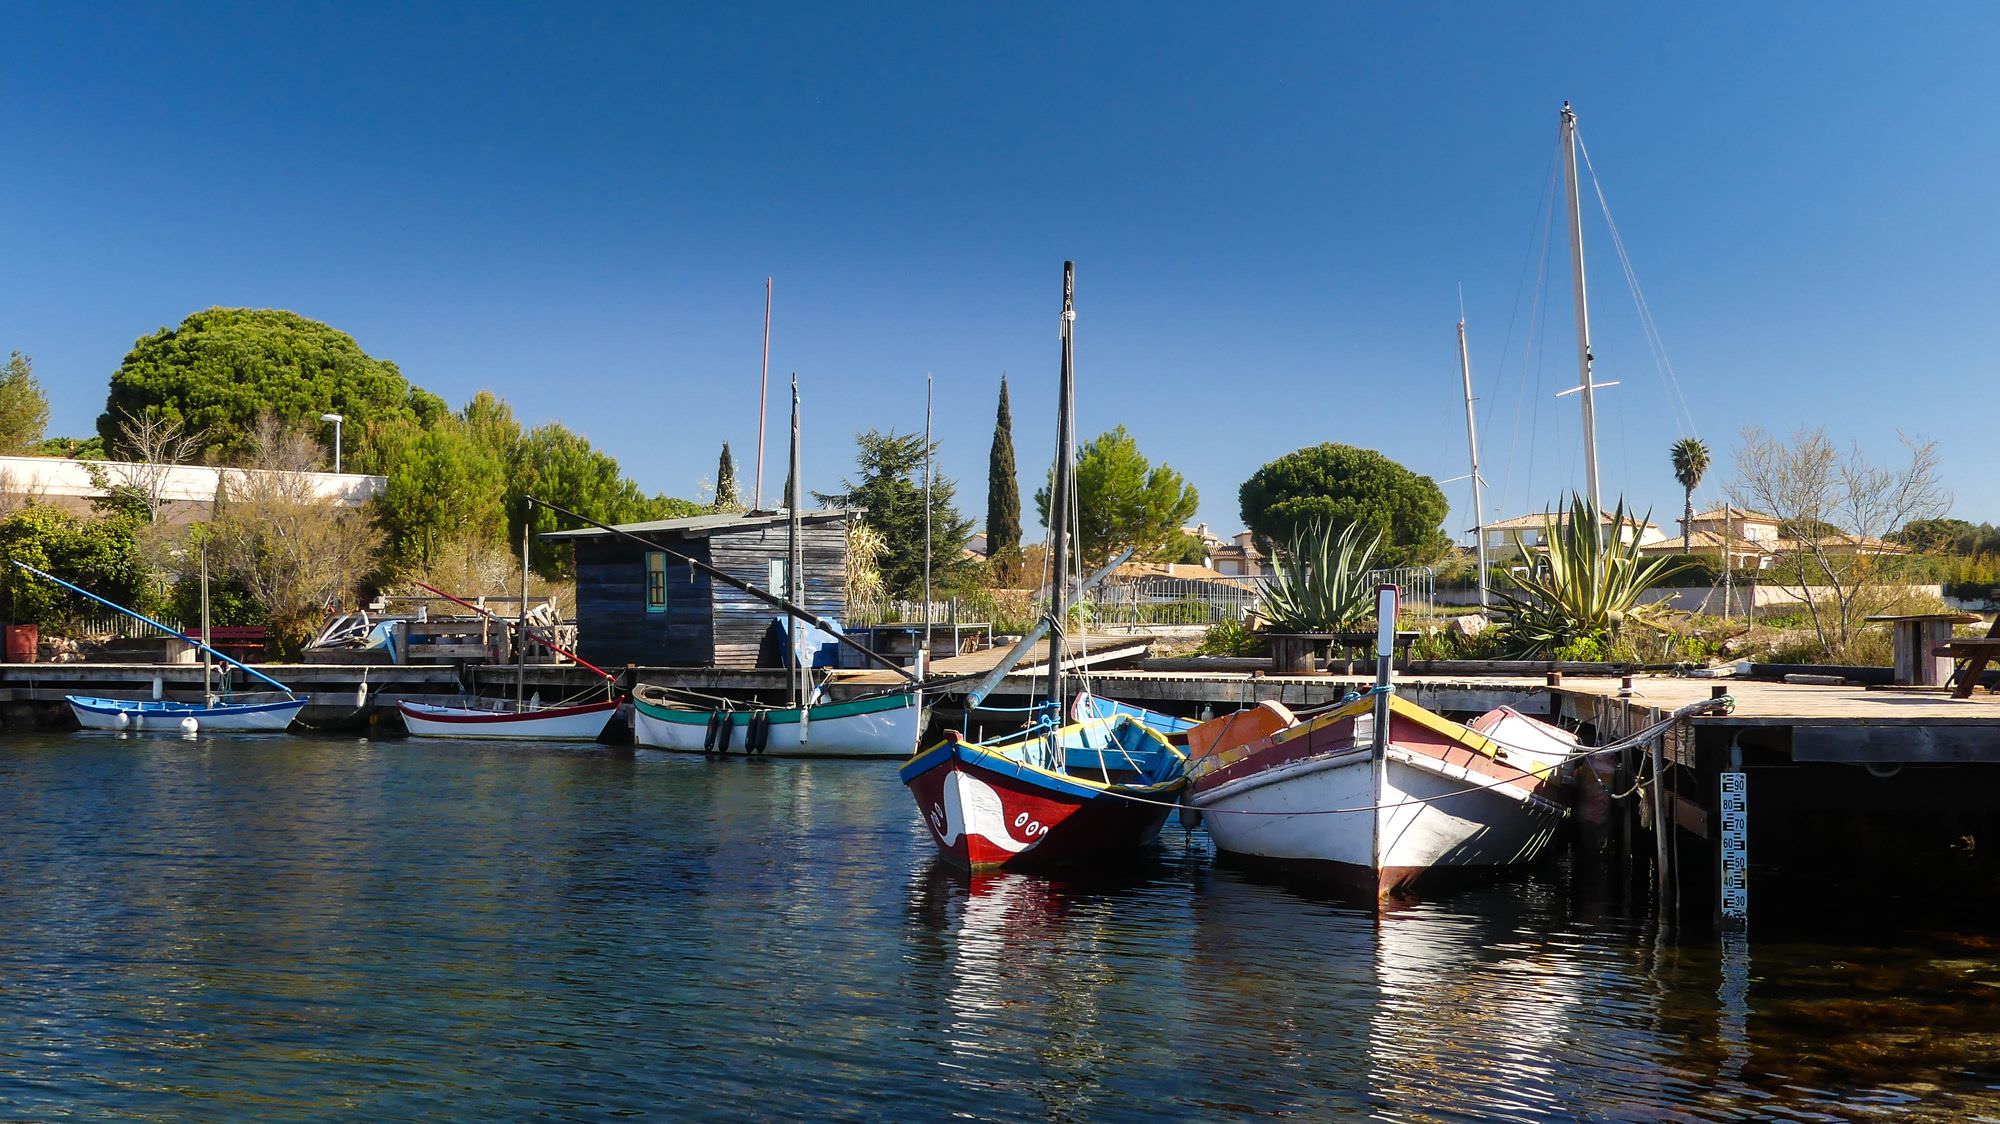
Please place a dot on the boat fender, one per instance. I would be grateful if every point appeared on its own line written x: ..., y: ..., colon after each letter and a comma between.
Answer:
x: 758, y: 735
x: 1190, y: 815
x: 713, y: 741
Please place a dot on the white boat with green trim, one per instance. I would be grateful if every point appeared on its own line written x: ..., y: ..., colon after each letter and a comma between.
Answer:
x: 883, y: 726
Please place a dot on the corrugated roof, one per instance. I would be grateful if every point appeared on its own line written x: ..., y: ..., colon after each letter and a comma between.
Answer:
x: 698, y: 526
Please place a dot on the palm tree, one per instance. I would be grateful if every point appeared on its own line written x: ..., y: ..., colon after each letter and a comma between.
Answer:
x: 1690, y: 463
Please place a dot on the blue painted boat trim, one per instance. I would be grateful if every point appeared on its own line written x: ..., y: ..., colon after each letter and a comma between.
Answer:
x: 168, y: 706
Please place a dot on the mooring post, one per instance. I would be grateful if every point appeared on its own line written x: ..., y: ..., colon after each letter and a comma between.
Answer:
x: 1662, y: 826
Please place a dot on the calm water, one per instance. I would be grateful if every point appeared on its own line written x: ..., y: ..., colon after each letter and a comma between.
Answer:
x: 282, y: 927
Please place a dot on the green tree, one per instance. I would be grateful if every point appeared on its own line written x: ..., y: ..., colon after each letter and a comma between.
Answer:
x: 80, y: 448
x: 221, y: 367
x: 1003, y: 487
x: 1690, y: 457
x: 563, y: 468
x: 891, y: 493
x: 726, y: 498
x: 1337, y: 485
x: 24, y: 409
x: 1124, y: 500
x: 101, y: 555
x: 489, y: 421
x: 443, y: 486
x: 1939, y: 536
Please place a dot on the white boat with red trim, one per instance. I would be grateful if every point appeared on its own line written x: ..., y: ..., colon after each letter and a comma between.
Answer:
x: 1091, y: 789
x: 577, y: 722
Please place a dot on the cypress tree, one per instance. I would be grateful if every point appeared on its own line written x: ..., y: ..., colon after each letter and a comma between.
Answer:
x: 1003, y: 486
x: 725, y: 483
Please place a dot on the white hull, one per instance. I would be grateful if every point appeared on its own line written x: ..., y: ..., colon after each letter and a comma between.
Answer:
x: 1421, y: 815
x: 580, y: 724
x: 881, y: 733
x: 117, y: 714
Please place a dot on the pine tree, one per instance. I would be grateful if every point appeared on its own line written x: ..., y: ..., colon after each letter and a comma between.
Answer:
x: 725, y: 483
x: 890, y: 493
x: 1003, y: 487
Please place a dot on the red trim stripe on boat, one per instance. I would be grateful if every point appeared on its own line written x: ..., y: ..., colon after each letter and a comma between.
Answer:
x: 499, y: 716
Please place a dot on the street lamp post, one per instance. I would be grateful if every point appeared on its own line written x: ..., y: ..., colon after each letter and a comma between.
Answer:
x: 336, y: 419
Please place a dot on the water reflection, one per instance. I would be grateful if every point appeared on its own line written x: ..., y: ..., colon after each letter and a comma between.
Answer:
x: 291, y: 927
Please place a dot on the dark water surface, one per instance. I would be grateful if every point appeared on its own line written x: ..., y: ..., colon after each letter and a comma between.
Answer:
x: 277, y: 927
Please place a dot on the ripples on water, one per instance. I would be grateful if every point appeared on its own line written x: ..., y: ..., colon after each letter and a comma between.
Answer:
x: 286, y: 927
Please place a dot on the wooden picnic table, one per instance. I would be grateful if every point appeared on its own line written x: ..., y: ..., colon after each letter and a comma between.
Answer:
x: 1917, y: 637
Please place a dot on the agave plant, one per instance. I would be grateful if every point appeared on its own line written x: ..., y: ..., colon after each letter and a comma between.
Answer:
x: 1586, y: 585
x: 1319, y: 583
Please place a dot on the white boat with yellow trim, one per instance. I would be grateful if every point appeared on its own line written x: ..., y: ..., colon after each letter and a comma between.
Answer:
x: 1326, y: 799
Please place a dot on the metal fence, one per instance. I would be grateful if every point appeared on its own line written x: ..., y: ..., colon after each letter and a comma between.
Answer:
x: 107, y: 625
x: 1146, y: 601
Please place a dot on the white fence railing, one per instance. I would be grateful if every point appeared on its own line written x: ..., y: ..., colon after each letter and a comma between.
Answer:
x: 1154, y: 601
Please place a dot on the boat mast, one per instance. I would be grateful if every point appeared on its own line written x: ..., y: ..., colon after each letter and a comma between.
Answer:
x: 521, y: 633
x: 763, y: 397
x: 924, y: 646
x: 1584, y: 359
x: 794, y: 557
x: 1472, y: 440
x: 207, y: 662
x: 1059, y: 493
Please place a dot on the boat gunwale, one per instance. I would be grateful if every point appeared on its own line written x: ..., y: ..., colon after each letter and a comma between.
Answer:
x: 472, y: 717
x: 951, y: 749
x: 693, y: 716
x: 99, y: 704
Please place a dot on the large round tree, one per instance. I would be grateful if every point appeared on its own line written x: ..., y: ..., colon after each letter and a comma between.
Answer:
x: 1334, y: 485
x: 222, y: 367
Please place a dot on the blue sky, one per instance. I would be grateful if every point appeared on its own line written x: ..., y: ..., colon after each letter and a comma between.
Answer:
x: 1271, y: 208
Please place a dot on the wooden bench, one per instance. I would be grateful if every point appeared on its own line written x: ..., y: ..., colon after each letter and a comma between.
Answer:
x: 243, y: 642
x: 1972, y: 654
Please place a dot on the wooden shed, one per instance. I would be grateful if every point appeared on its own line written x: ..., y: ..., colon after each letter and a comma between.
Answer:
x: 638, y: 606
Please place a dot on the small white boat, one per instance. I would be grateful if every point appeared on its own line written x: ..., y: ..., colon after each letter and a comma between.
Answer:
x: 150, y: 714
x: 1325, y: 799
x: 885, y: 726
x: 582, y: 723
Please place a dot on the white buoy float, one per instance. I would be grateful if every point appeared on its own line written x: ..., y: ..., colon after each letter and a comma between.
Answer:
x: 122, y: 721
x: 189, y: 725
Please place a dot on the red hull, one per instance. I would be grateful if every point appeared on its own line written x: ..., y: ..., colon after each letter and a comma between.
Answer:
x: 985, y: 819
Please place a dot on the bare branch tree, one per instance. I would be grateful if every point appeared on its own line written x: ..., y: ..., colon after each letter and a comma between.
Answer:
x: 156, y: 445
x: 1835, y: 509
x: 297, y: 552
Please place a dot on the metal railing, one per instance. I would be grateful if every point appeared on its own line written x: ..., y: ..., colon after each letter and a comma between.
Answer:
x: 104, y: 625
x: 1149, y: 601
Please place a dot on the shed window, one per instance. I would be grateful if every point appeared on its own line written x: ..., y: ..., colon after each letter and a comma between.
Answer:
x: 775, y: 578
x: 656, y: 582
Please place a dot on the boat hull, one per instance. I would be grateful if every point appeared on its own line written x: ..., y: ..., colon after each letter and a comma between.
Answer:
x: 985, y: 811
x: 564, y: 723
x: 1433, y: 806
x: 135, y: 714
x: 883, y: 727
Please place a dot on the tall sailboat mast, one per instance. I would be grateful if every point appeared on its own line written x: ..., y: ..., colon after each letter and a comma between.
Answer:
x: 1472, y: 441
x: 1586, y: 386
x: 521, y: 633
x: 763, y: 398
x: 1059, y: 493
x: 207, y: 637
x: 794, y: 556
x: 924, y: 645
